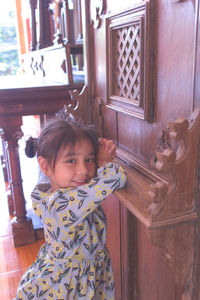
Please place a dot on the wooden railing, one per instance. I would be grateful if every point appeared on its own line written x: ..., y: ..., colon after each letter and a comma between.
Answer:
x: 18, y: 98
x: 56, y: 41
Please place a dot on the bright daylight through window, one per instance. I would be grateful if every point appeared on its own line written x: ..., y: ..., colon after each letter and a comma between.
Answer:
x: 9, y: 62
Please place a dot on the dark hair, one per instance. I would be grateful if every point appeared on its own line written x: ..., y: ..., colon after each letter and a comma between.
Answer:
x: 59, y: 133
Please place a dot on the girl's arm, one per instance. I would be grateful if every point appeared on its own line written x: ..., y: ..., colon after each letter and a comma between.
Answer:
x: 69, y: 206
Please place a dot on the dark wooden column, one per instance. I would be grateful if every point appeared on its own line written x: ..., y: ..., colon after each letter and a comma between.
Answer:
x: 65, y: 22
x: 78, y: 31
x: 33, y: 5
x: 22, y: 227
x: 45, y: 20
x: 6, y: 173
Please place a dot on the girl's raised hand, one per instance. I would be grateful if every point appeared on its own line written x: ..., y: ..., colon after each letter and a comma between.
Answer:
x: 107, y: 151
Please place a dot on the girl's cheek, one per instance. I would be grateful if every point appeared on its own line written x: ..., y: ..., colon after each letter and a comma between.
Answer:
x: 94, y: 170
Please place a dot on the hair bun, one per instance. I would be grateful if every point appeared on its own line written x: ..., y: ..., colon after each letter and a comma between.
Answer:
x: 30, y: 148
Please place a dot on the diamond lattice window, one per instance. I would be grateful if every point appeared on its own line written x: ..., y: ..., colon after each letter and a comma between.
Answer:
x: 126, y: 62
x: 130, y: 37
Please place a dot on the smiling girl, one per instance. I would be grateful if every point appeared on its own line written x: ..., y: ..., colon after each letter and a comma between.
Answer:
x: 74, y: 262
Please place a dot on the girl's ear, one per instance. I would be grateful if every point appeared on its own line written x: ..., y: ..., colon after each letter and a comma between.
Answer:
x: 44, y: 165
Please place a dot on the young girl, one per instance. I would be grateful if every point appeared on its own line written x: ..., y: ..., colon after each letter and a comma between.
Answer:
x: 74, y: 262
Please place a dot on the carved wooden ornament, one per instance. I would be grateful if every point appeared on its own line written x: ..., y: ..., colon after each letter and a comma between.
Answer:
x: 164, y: 197
x: 97, y: 8
x: 178, y: 164
x: 174, y: 210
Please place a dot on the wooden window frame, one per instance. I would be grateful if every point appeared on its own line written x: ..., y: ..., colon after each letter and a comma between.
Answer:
x: 141, y: 15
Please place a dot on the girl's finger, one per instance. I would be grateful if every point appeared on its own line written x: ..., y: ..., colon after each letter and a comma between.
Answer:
x: 112, y: 147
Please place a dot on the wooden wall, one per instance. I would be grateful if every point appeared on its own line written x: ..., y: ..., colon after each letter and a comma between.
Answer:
x: 170, y: 77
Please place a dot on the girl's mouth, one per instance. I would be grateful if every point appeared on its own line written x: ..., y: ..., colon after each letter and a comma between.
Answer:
x: 80, y: 181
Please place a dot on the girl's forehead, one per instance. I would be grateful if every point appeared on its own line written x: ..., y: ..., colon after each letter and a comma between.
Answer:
x: 79, y: 145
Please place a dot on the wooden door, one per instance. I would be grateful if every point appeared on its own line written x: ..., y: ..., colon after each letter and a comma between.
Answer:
x: 142, y: 59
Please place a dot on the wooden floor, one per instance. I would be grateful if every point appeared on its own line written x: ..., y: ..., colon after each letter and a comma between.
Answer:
x: 13, y: 261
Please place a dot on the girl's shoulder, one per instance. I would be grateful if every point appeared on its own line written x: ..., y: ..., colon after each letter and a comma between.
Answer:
x: 41, y: 191
x: 43, y: 187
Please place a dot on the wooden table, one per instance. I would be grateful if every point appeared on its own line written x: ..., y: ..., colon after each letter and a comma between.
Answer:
x: 21, y: 96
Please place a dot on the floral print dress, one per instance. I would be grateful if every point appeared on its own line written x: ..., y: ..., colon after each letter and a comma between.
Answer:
x: 74, y: 262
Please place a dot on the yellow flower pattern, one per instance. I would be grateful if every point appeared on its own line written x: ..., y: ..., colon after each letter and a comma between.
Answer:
x: 102, y: 192
x: 74, y: 262
x: 49, y: 222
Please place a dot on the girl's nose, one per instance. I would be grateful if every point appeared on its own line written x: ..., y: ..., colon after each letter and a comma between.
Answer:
x: 82, y: 168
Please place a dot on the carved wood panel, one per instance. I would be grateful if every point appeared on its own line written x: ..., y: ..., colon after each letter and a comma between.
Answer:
x: 130, y: 60
x: 164, y: 197
x: 196, y: 66
x: 162, y: 200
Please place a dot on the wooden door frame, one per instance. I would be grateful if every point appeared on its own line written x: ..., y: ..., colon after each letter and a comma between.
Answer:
x: 196, y: 62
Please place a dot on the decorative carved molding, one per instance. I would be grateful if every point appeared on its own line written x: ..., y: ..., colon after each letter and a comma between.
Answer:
x: 177, y: 203
x: 164, y: 196
x: 41, y: 63
x: 97, y: 8
x: 178, y: 162
x: 130, y: 61
x: 76, y: 107
x: 169, y: 193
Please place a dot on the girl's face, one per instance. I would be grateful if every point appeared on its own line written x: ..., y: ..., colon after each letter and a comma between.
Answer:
x: 74, y: 166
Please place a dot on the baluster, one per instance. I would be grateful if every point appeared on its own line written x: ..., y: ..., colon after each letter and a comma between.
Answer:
x: 6, y: 173
x: 46, y: 39
x: 78, y: 32
x: 22, y: 227
x: 65, y: 22
x: 33, y: 4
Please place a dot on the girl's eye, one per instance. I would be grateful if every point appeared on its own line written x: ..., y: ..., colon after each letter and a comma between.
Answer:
x: 71, y: 161
x: 90, y: 159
